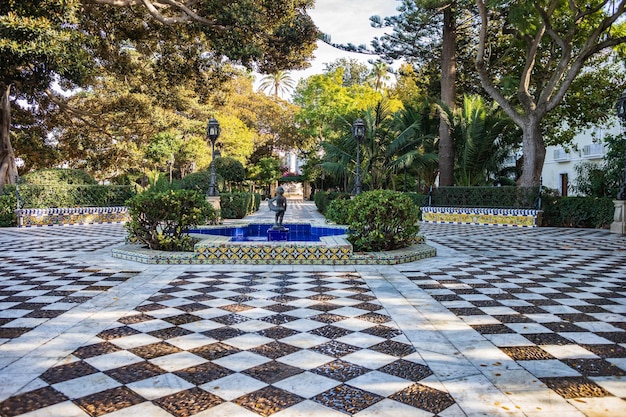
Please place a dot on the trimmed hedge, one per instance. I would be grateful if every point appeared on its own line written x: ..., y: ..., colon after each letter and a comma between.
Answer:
x: 583, y: 212
x: 238, y: 205
x: 487, y: 197
x: 50, y: 196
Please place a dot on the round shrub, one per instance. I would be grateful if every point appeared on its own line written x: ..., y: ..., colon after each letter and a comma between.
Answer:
x: 162, y: 220
x: 198, y: 181
x: 338, y: 211
x: 382, y: 220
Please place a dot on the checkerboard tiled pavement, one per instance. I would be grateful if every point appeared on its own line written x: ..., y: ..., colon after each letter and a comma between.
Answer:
x: 502, y: 322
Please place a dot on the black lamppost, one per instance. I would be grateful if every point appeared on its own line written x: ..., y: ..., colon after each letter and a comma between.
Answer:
x: 358, y: 131
x: 212, y: 133
x: 621, y: 114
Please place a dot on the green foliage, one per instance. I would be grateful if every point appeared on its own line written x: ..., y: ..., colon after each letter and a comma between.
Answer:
x: 59, y: 176
x: 492, y: 197
x: 162, y: 148
x: 338, y: 211
x: 8, y: 204
x: 485, y: 137
x: 588, y: 212
x: 161, y: 220
x: 230, y: 169
x: 593, y: 180
x: 605, y: 179
x: 323, y: 198
x: 198, y: 181
x: 238, y: 205
x: 39, y: 41
x: 265, y: 171
x: 382, y: 220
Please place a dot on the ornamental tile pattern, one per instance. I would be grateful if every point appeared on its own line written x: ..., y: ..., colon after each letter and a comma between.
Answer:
x: 482, y: 216
x: 70, y: 216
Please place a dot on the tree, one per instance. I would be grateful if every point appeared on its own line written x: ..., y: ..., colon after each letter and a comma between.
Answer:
x: 604, y: 179
x: 424, y: 28
x: 266, y: 171
x: 326, y: 102
x: 270, y: 118
x: 66, y: 41
x: 485, y: 139
x: 548, y: 45
x: 280, y: 82
x: 230, y: 170
x: 415, y: 148
x: 354, y: 71
x: 37, y: 46
x: 379, y: 74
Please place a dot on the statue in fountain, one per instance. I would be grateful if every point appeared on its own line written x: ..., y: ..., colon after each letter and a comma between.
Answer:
x: 278, y: 204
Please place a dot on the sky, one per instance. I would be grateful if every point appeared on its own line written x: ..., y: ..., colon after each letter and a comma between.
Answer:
x: 346, y: 21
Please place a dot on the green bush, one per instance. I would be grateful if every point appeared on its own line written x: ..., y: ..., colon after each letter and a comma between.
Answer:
x: 161, y: 220
x: 339, y: 210
x: 323, y: 198
x: 59, y: 176
x: 8, y: 204
x: 198, y: 181
x: 419, y: 200
x: 591, y: 212
x: 238, y: 205
x: 382, y: 220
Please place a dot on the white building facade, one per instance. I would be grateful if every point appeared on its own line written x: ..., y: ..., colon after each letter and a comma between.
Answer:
x: 559, y: 167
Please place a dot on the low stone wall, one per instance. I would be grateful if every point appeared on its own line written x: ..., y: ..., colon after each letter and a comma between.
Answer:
x: 69, y: 216
x: 482, y: 216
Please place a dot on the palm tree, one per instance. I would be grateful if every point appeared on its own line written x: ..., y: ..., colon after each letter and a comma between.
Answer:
x: 415, y: 149
x: 379, y: 74
x: 394, y: 144
x: 485, y: 138
x: 277, y: 83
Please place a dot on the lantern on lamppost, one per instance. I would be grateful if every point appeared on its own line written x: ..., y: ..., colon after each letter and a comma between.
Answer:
x: 621, y: 114
x: 358, y: 131
x: 212, y: 133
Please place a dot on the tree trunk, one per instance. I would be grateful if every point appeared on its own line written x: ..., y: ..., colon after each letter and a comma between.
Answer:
x: 448, y: 92
x: 534, y: 150
x: 8, y: 169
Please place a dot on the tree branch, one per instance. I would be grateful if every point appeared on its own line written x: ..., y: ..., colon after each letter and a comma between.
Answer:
x: 591, y: 47
x: 481, y: 65
x: 187, y: 14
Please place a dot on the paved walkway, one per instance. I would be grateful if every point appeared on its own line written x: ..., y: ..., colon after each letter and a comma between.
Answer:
x: 503, y: 322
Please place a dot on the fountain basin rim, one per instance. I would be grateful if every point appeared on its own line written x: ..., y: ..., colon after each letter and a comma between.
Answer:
x: 299, y: 232
x: 220, y: 250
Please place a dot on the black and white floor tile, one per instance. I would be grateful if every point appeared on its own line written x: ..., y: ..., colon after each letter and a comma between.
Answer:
x: 504, y: 321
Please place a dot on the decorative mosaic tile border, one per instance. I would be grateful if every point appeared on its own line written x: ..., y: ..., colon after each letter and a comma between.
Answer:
x: 69, y: 216
x: 482, y: 216
x: 331, y: 250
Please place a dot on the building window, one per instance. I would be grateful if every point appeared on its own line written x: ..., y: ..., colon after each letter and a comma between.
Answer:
x: 561, y: 155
